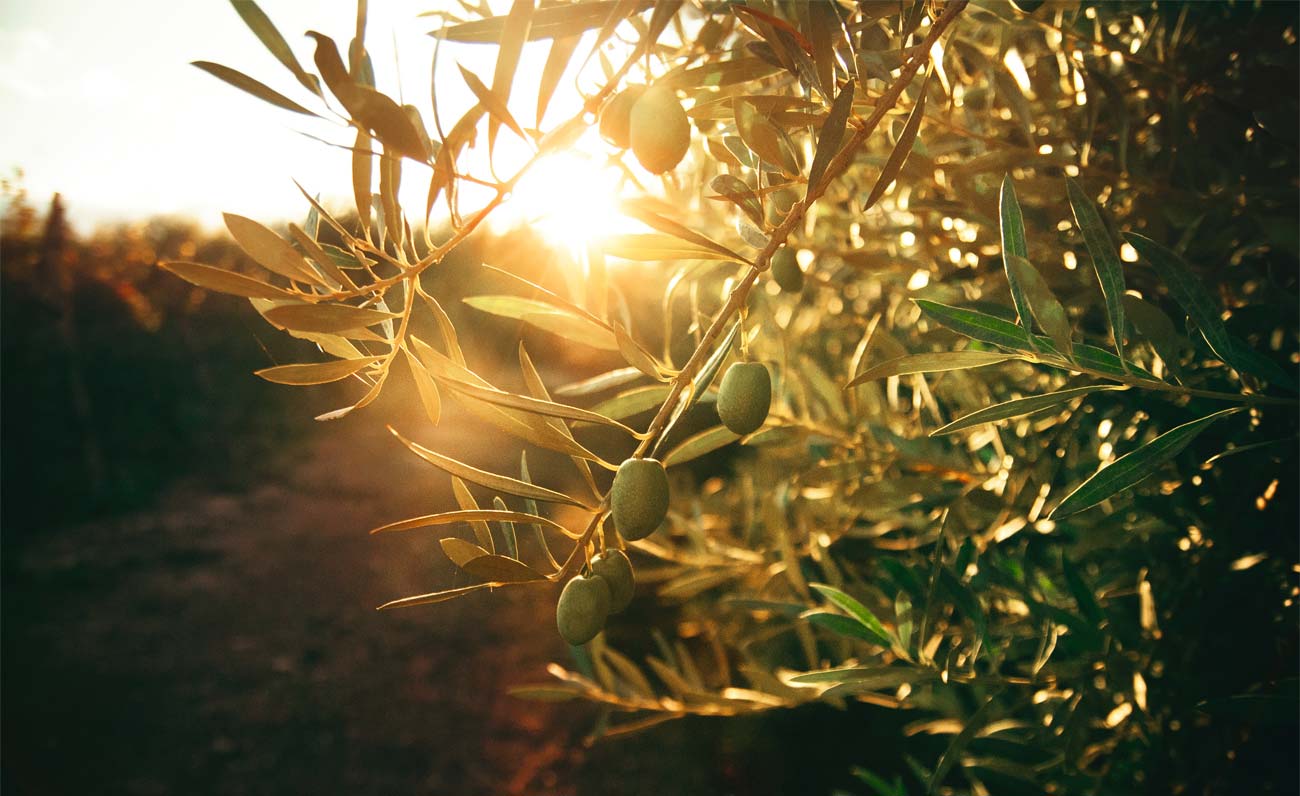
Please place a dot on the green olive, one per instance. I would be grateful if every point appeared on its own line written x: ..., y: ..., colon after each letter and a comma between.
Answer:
x: 616, y: 569
x: 1027, y: 6
x: 745, y: 396
x: 786, y: 271
x: 659, y: 132
x: 639, y: 497
x: 779, y: 204
x: 580, y: 613
x: 616, y: 118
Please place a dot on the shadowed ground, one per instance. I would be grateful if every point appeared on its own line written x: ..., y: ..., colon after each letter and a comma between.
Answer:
x: 229, y: 643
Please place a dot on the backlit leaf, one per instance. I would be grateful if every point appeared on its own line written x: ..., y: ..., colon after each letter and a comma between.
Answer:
x: 500, y: 483
x: 1110, y: 271
x: 1044, y: 305
x: 700, y: 444
x: 929, y: 363
x: 547, y: 23
x: 316, y: 372
x: 493, y: 102
x: 501, y: 569
x: 548, y: 318
x: 830, y: 135
x: 977, y: 325
x: 854, y: 609
x: 1131, y: 468
x: 245, y: 83
x: 425, y: 387
x: 1020, y: 406
x: 270, y: 37
x: 327, y: 318
x: 269, y: 250
x: 223, y: 281
x: 898, y: 156
x: 471, y: 516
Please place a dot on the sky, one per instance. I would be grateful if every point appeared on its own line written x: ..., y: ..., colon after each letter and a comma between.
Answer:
x: 100, y: 103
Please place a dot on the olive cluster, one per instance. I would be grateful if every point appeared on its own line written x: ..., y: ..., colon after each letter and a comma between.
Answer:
x: 651, y: 122
x: 638, y: 503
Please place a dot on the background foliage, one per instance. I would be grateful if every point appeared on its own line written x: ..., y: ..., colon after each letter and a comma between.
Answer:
x: 1078, y: 222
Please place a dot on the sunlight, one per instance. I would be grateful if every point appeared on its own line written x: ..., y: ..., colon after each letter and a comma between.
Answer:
x: 570, y: 198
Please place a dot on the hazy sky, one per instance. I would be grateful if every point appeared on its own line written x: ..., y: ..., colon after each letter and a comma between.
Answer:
x: 100, y: 103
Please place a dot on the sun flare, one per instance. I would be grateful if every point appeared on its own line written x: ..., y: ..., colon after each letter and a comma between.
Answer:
x: 570, y: 197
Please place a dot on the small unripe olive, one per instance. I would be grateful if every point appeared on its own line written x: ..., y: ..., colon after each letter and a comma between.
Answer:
x: 659, y: 131
x: 786, y: 270
x: 745, y: 396
x: 580, y: 613
x: 616, y: 569
x: 1027, y: 6
x: 639, y: 497
x: 616, y: 118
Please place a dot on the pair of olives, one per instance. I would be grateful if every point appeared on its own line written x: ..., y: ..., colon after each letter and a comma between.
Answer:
x: 650, y: 121
x: 588, y: 600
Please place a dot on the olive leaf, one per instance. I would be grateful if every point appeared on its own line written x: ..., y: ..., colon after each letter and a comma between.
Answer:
x: 898, y: 156
x: 1020, y: 406
x: 223, y: 281
x: 500, y: 483
x: 929, y: 363
x: 509, y: 47
x: 547, y: 317
x: 633, y: 402
x: 258, y: 89
x: 1131, y: 468
x: 468, y: 516
x: 1012, y: 223
x: 557, y: 61
x: 845, y: 626
x: 700, y: 444
x: 435, y: 597
x: 460, y: 551
x: 270, y: 37
x: 493, y: 102
x: 316, y: 372
x: 735, y: 190
x: 640, y: 211
x: 977, y: 325
x: 1042, y: 303
x: 764, y: 138
x: 269, y: 250
x: 532, y: 405
x: 830, y: 136
x: 425, y: 387
x: 537, y: 388
x: 1192, y: 295
x: 859, y: 612
x: 1153, y: 324
x: 326, y: 318
x: 547, y: 23
x: 653, y: 247
x: 1110, y: 271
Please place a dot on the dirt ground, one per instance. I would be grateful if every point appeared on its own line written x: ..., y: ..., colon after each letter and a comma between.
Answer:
x: 228, y: 643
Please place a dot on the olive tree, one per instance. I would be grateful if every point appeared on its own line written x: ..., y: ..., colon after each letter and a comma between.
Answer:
x: 948, y: 357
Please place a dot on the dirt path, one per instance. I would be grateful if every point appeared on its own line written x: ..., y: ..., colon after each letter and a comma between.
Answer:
x: 227, y: 643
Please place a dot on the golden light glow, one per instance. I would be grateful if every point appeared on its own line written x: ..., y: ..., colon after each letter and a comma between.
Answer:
x: 570, y: 198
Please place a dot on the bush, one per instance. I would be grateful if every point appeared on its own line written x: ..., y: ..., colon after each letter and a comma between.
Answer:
x: 1027, y: 473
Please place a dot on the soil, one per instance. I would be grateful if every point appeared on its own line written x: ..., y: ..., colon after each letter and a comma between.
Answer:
x: 229, y: 643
